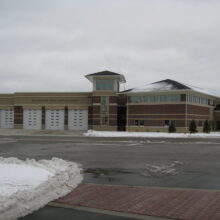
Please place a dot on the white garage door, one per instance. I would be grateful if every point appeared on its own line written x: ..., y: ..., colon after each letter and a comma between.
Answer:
x: 6, y: 118
x: 78, y: 119
x: 32, y: 119
x: 54, y: 119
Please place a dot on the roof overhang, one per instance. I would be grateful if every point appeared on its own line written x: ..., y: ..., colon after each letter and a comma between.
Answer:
x: 91, y: 77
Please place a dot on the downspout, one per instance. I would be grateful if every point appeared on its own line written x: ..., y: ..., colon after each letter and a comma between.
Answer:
x: 186, y: 116
x: 127, y: 113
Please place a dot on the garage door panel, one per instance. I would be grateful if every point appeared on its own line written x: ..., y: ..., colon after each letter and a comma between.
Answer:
x: 6, y: 118
x: 32, y: 119
x: 55, y: 119
x: 78, y: 120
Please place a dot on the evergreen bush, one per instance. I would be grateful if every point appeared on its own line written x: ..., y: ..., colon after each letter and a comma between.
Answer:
x: 206, y: 127
x: 192, y: 127
x: 172, y: 127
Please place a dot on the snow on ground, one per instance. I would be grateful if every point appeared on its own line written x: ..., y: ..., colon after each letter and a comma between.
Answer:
x: 92, y: 133
x: 166, y: 169
x: 28, y: 185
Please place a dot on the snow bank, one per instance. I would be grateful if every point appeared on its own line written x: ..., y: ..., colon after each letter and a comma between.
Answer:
x: 92, y: 133
x: 28, y: 185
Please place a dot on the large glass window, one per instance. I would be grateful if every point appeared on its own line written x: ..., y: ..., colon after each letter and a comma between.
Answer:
x: 144, y: 99
x: 198, y: 100
x: 134, y: 99
x: 104, y: 84
x: 153, y: 99
x: 175, y: 98
x: 156, y: 99
x: 104, y: 110
x: 164, y: 98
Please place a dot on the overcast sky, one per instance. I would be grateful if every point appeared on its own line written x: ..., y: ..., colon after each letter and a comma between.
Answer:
x: 49, y: 45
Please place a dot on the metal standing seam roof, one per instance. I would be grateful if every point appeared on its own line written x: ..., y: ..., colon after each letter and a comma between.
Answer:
x: 167, y: 85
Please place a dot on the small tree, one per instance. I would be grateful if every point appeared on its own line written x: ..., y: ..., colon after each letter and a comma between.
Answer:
x: 172, y: 127
x: 192, y: 127
x: 206, y: 127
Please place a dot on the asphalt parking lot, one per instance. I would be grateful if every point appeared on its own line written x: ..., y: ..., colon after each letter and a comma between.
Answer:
x: 151, y: 162
x: 189, y: 163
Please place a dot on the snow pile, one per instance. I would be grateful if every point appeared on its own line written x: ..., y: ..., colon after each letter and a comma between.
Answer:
x: 92, y: 133
x: 28, y: 185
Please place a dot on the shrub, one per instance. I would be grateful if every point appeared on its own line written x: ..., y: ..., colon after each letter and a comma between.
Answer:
x: 172, y: 127
x: 206, y: 127
x: 192, y: 127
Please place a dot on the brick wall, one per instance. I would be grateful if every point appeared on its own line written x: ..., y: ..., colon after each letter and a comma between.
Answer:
x: 95, y: 111
x: 157, y: 109
x: 155, y: 115
x: 113, y: 110
x: 18, y: 115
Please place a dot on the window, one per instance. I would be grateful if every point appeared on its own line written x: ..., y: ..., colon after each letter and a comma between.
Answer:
x: 143, y: 99
x: 198, y: 100
x: 104, y: 119
x: 134, y: 99
x: 104, y: 110
x: 204, y: 101
x: 164, y: 98
x: 194, y: 99
x: 153, y: 99
x: 167, y: 123
x: 156, y: 99
x: 175, y: 98
x: 211, y: 102
x: 139, y: 122
x: 102, y: 84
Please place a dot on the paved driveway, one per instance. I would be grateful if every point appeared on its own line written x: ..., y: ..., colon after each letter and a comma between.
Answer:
x: 172, y: 163
x: 190, y: 163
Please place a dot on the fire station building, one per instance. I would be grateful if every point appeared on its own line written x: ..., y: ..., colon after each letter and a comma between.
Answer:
x: 148, y: 108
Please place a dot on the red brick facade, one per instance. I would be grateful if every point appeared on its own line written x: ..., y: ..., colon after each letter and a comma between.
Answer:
x: 95, y: 111
x: 198, y: 110
x: 96, y: 99
x: 18, y: 115
x: 156, y: 115
x: 157, y: 109
x: 113, y: 99
x: 113, y: 110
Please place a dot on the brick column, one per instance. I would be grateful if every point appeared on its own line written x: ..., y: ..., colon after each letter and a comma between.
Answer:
x: 18, y: 117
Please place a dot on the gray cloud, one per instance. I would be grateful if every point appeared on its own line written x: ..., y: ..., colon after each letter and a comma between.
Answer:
x: 50, y: 45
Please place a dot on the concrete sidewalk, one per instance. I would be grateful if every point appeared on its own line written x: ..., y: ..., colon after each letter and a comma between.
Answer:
x: 184, y: 204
